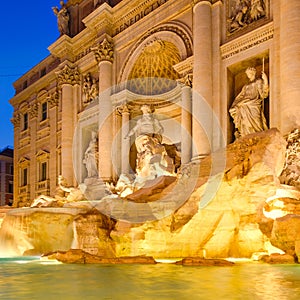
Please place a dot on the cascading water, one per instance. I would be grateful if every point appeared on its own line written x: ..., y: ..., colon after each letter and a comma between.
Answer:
x: 36, y: 231
x: 13, y: 235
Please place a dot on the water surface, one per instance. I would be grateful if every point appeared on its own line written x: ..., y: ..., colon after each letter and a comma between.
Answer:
x: 24, y: 278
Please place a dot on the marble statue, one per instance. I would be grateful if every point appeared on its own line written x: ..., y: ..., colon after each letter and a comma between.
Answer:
x: 247, y: 108
x: 90, y: 89
x: 147, y: 125
x: 91, y: 156
x: 62, y: 18
x: 64, y: 193
x: 152, y: 158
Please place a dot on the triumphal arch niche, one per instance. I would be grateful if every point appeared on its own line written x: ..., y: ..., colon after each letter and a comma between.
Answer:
x: 154, y: 91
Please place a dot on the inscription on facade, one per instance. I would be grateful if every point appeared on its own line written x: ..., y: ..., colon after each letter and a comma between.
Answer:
x: 140, y: 15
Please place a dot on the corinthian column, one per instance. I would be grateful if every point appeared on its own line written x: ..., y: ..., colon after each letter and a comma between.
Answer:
x: 289, y: 64
x: 186, y: 120
x: 125, y: 142
x: 202, y: 82
x: 67, y: 79
x: 104, y: 56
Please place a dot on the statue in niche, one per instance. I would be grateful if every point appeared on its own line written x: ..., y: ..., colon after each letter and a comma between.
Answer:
x: 91, y: 156
x: 247, y: 108
x: 244, y: 12
x: 90, y: 89
x: 152, y: 158
x: 62, y: 18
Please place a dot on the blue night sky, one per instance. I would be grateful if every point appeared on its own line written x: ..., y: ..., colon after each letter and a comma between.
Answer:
x: 28, y: 28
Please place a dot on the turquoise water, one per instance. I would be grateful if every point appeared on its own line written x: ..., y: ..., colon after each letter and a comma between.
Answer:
x: 23, y: 278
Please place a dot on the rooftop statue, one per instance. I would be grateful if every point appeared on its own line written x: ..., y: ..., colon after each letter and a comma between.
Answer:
x: 247, y: 108
x: 62, y: 18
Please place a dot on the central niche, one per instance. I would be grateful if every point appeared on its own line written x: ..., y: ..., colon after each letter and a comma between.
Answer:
x: 153, y: 72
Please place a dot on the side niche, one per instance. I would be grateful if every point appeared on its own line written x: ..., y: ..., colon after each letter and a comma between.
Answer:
x: 245, y: 15
x: 249, y: 94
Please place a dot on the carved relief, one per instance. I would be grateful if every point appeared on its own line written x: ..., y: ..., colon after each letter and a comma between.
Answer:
x: 68, y: 76
x: 90, y: 89
x: 242, y: 13
x: 104, y: 51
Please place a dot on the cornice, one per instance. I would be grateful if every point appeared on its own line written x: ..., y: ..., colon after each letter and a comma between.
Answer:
x: 100, y: 19
x: 247, y: 41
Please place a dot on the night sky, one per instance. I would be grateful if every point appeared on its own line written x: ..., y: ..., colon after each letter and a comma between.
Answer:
x: 28, y: 28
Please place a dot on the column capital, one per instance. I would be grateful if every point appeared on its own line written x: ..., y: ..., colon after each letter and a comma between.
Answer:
x: 68, y: 76
x: 16, y: 119
x: 123, y: 109
x: 33, y: 110
x: 53, y: 99
x: 186, y: 80
x: 104, y: 51
x: 196, y: 2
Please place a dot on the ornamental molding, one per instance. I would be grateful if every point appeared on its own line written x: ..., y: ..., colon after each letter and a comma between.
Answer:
x: 104, y: 51
x: 68, y: 76
x: 247, y: 41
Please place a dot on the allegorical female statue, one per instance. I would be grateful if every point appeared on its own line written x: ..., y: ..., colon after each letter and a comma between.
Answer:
x: 247, y: 108
x: 91, y: 156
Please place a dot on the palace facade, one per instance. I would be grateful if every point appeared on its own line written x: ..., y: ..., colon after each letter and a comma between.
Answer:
x: 186, y: 59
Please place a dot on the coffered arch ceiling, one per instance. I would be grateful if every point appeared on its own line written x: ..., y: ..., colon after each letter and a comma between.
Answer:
x: 153, y: 72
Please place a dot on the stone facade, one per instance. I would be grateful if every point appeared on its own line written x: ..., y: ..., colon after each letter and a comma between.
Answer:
x: 187, y: 59
x: 6, y: 176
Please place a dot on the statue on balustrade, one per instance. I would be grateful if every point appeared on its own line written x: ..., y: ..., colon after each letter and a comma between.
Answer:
x: 247, y: 108
x: 91, y: 157
x: 62, y: 18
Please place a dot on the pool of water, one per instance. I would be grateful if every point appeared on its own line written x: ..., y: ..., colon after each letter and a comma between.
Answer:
x: 32, y: 278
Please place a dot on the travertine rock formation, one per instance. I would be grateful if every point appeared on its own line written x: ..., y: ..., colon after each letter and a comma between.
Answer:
x: 236, y: 211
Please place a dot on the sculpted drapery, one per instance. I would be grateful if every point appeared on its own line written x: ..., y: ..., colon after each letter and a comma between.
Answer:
x: 247, y: 108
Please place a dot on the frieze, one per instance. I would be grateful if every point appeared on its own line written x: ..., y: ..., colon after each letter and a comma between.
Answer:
x: 138, y: 14
x: 104, y: 51
x: 247, y: 41
x: 68, y: 76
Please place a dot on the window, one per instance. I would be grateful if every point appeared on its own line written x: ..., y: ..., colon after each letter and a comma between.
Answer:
x: 24, y: 179
x: 43, y: 174
x: 43, y: 72
x: 11, y: 169
x: 44, y: 111
x: 25, y: 121
x: 10, y: 187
